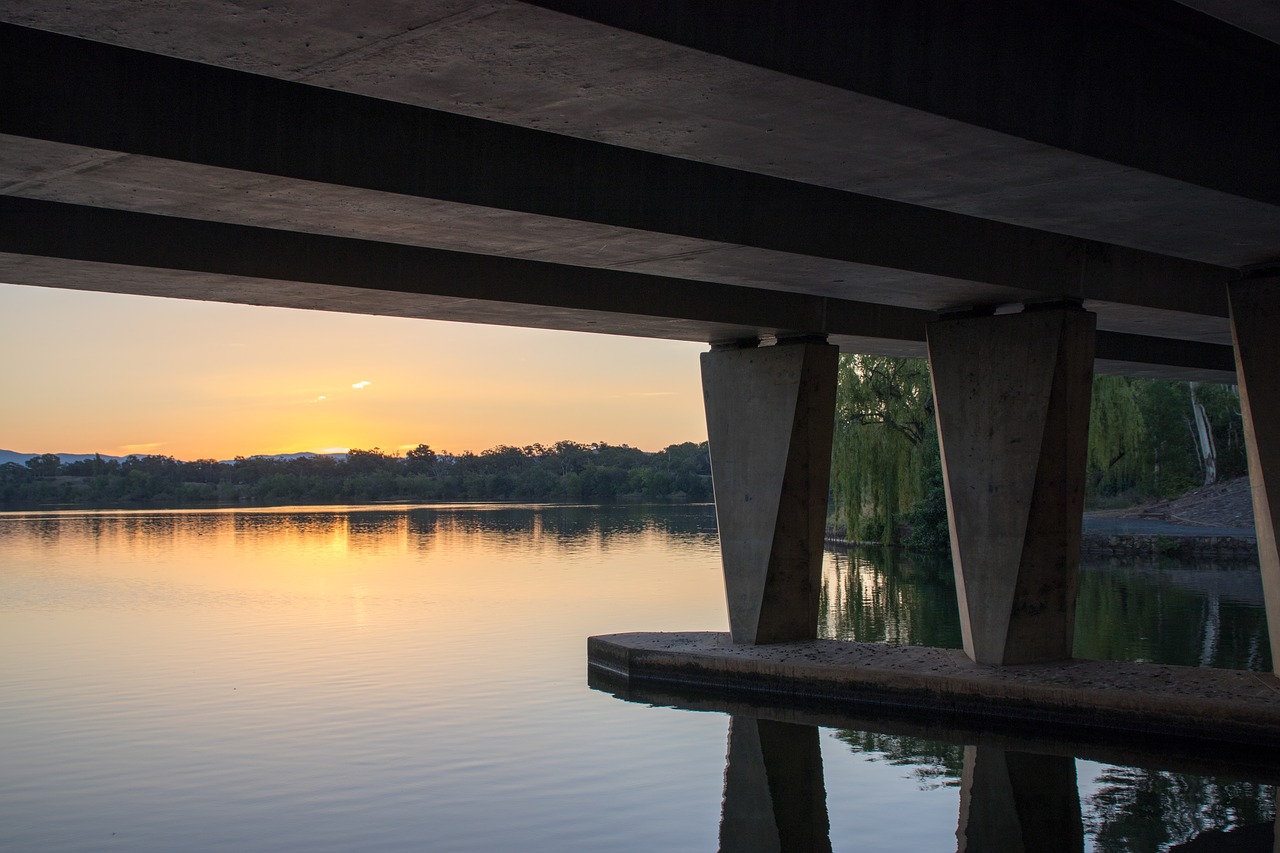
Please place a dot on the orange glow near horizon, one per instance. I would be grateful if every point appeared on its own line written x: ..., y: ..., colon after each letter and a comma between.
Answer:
x: 92, y: 372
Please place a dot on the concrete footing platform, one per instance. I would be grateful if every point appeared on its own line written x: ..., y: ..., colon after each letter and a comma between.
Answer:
x: 1201, y: 707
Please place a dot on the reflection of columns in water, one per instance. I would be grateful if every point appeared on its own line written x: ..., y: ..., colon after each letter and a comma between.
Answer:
x: 835, y: 578
x: 774, y: 796
x: 1017, y: 801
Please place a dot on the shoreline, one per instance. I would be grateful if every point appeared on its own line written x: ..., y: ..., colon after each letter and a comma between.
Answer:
x: 1239, y: 547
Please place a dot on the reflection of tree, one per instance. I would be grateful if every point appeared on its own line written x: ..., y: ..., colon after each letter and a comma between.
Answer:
x: 933, y: 763
x: 1134, y: 615
x: 1193, y: 617
x: 573, y: 526
x: 1136, y: 809
x: 1131, y: 809
x: 885, y: 595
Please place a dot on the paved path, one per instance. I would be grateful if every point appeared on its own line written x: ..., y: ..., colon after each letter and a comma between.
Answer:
x: 1102, y: 525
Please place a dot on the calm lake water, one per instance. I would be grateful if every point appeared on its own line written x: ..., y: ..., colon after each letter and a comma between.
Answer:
x: 414, y: 678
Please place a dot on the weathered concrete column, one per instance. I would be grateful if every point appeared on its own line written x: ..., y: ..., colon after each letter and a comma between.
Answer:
x: 1012, y: 400
x: 770, y: 417
x: 1255, y: 329
x: 1016, y: 801
x: 775, y: 799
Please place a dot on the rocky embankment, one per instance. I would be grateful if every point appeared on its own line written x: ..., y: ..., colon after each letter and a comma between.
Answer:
x: 1214, y: 522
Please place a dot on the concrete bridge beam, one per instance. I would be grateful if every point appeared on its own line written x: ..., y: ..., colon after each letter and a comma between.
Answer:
x: 1255, y: 319
x: 770, y: 417
x: 1012, y: 401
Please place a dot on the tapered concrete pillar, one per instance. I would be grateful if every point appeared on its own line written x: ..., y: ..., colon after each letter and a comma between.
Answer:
x: 775, y: 799
x: 1011, y: 802
x: 770, y: 417
x: 1255, y: 329
x: 1012, y: 400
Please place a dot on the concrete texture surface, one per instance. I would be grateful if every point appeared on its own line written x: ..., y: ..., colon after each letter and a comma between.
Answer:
x: 1255, y: 319
x: 840, y: 164
x: 1180, y: 708
x: 1012, y: 401
x: 770, y: 417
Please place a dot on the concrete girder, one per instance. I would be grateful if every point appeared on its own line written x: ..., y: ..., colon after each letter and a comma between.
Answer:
x: 1148, y: 84
x: 91, y: 248
x: 1255, y: 318
x: 68, y: 91
x: 770, y: 419
x: 1012, y: 402
x: 526, y: 65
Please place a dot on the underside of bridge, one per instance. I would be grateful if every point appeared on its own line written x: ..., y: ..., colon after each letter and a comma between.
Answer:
x: 872, y: 175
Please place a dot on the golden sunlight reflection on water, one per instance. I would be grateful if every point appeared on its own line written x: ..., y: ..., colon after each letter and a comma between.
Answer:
x: 405, y: 678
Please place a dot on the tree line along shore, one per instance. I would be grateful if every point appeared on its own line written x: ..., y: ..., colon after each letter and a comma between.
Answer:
x: 1148, y: 439
x: 565, y: 471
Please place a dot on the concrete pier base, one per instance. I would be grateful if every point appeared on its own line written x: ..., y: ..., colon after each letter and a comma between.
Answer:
x: 1226, y: 710
x: 1255, y: 330
x: 1012, y: 401
x: 775, y: 800
x: 770, y: 417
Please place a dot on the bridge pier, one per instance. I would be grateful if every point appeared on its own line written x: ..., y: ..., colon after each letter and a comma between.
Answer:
x: 1012, y: 396
x: 1255, y: 330
x: 770, y: 417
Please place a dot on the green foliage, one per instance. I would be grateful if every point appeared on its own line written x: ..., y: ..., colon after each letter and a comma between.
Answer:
x: 1117, y: 436
x: 1142, y: 436
x: 883, y: 446
x: 927, y: 519
x: 45, y: 465
x: 885, y: 467
x: 567, y: 471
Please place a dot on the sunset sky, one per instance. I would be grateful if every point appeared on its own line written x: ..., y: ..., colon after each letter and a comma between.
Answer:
x: 91, y: 372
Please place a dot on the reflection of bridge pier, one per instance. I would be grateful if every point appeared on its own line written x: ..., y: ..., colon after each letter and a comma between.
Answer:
x: 1018, y: 786
x: 775, y: 796
x: 775, y: 800
x: 1018, y: 801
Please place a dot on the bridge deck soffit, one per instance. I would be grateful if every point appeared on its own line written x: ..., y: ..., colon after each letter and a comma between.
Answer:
x: 782, y: 157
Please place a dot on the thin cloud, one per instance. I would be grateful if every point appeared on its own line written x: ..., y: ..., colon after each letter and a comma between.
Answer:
x: 319, y: 399
x: 642, y: 394
x: 362, y: 384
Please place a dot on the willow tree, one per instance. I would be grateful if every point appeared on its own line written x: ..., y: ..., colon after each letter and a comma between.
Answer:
x: 1118, y: 456
x: 884, y: 427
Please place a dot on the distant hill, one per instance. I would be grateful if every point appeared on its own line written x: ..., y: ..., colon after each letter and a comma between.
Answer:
x: 21, y: 458
x: 285, y: 457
